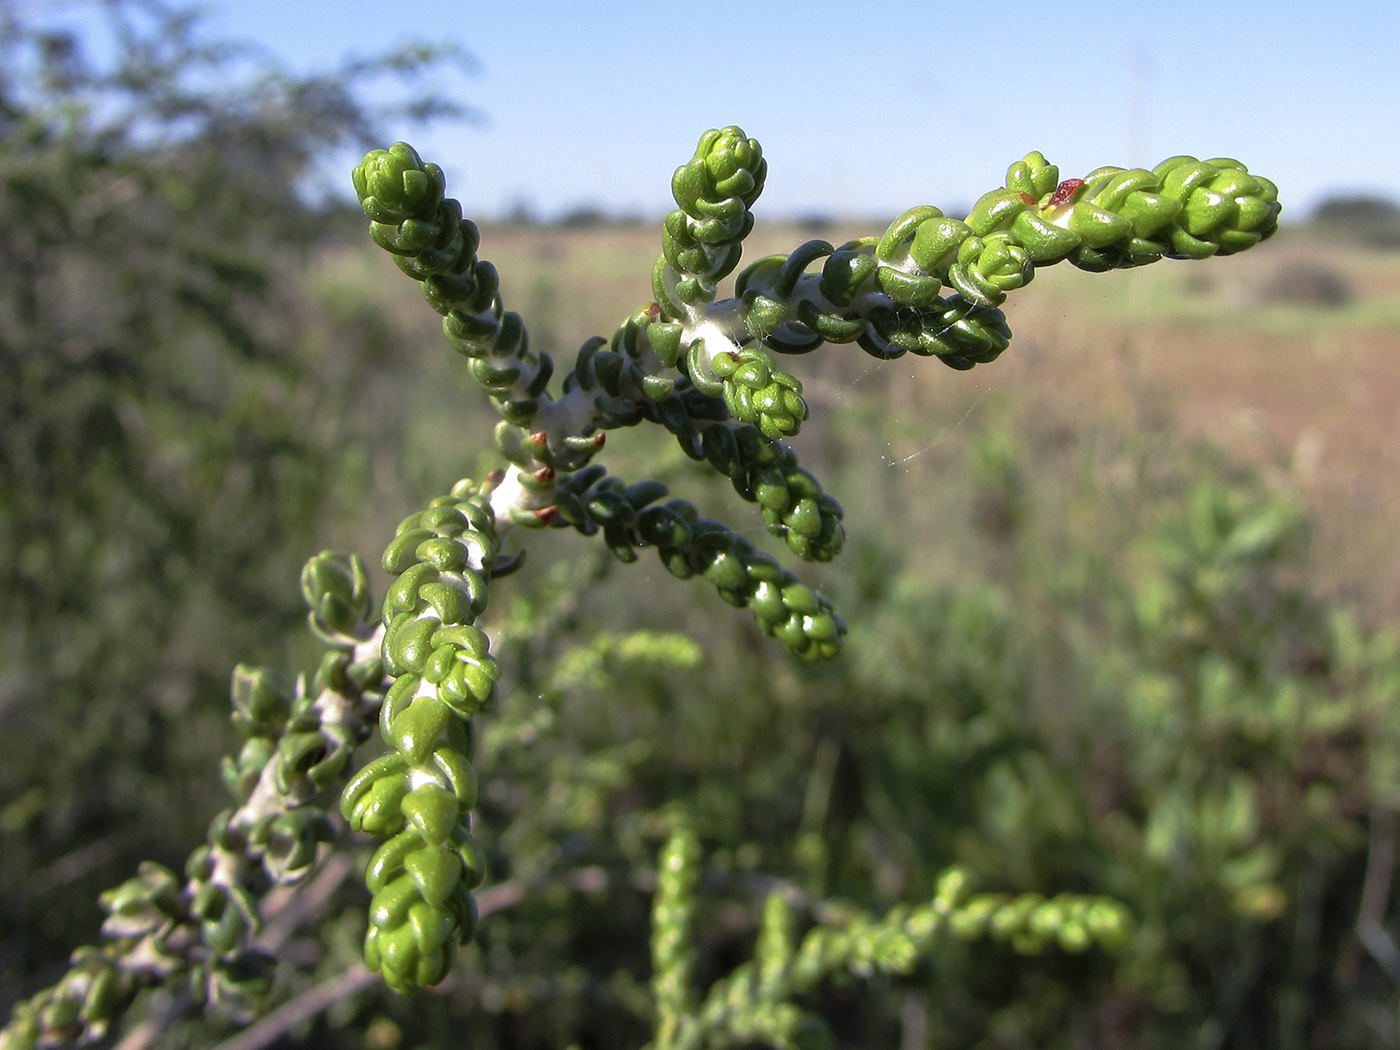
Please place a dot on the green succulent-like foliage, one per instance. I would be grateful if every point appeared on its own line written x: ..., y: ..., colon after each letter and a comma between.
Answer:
x: 701, y: 368
x: 617, y: 383
x: 754, y: 1004
x: 704, y: 369
x: 802, y: 619
x: 432, y: 243
x: 888, y: 294
x: 298, y: 739
x: 419, y: 797
x: 765, y: 471
x: 702, y: 239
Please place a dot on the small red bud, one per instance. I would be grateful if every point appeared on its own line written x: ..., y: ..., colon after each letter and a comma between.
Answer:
x: 495, y: 477
x: 545, y: 515
x: 540, y: 439
x: 545, y: 474
x: 1064, y: 191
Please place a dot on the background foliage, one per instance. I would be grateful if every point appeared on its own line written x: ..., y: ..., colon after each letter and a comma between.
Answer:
x: 176, y: 414
x: 1085, y: 654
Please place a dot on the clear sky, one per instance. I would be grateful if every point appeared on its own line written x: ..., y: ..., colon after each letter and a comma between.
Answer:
x: 871, y: 107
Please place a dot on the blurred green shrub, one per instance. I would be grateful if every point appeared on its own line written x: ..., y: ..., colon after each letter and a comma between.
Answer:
x: 175, y: 408
x: 1139, y: 696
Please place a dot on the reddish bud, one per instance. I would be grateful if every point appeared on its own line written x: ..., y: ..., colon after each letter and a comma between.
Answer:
x: 1064, y: 191
x: 545, y: 474
x: 545, y: 515
x: 540, y: 439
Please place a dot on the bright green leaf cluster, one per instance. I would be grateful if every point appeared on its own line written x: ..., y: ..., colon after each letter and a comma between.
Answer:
x: 887, y: 294
x: 701, y: 240
x: 753, y: 390
x: 1112, y: 218
x: 419, y: 797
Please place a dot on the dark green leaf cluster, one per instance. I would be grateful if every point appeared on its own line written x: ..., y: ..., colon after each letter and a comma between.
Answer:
x: 294, y: 749
x: 791, y: 500
x: 763, y: 469
x: 433, y: 244
x: 912, y: 319
x: 688, y: 545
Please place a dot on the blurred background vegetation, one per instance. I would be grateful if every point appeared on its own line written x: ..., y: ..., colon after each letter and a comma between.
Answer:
x: 1119, y: 603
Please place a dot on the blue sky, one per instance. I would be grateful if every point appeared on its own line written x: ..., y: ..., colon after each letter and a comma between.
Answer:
x: 868, y: 108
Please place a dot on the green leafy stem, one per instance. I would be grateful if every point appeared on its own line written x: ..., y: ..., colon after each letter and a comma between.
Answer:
x: 298, y: 743
x: 702, y: 367
x: 756, y: 1003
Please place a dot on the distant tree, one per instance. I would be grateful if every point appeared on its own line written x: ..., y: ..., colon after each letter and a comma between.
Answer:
x: 583, y: 217
x: 1371, y: 219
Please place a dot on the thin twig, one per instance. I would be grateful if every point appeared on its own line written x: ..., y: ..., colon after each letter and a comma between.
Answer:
x: 304, y: 1007
x: 913, y: 1020
x: 286, y: 910
x: 149, y: 1030
x: 1375, y: 895
x: 302, y: 903
x: 73, y: 866
x: 141, y: 1036
x: 359, y: 977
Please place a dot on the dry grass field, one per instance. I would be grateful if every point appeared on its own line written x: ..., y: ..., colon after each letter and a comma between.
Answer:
x: 1257, y: 355
x: 1287, y: 357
